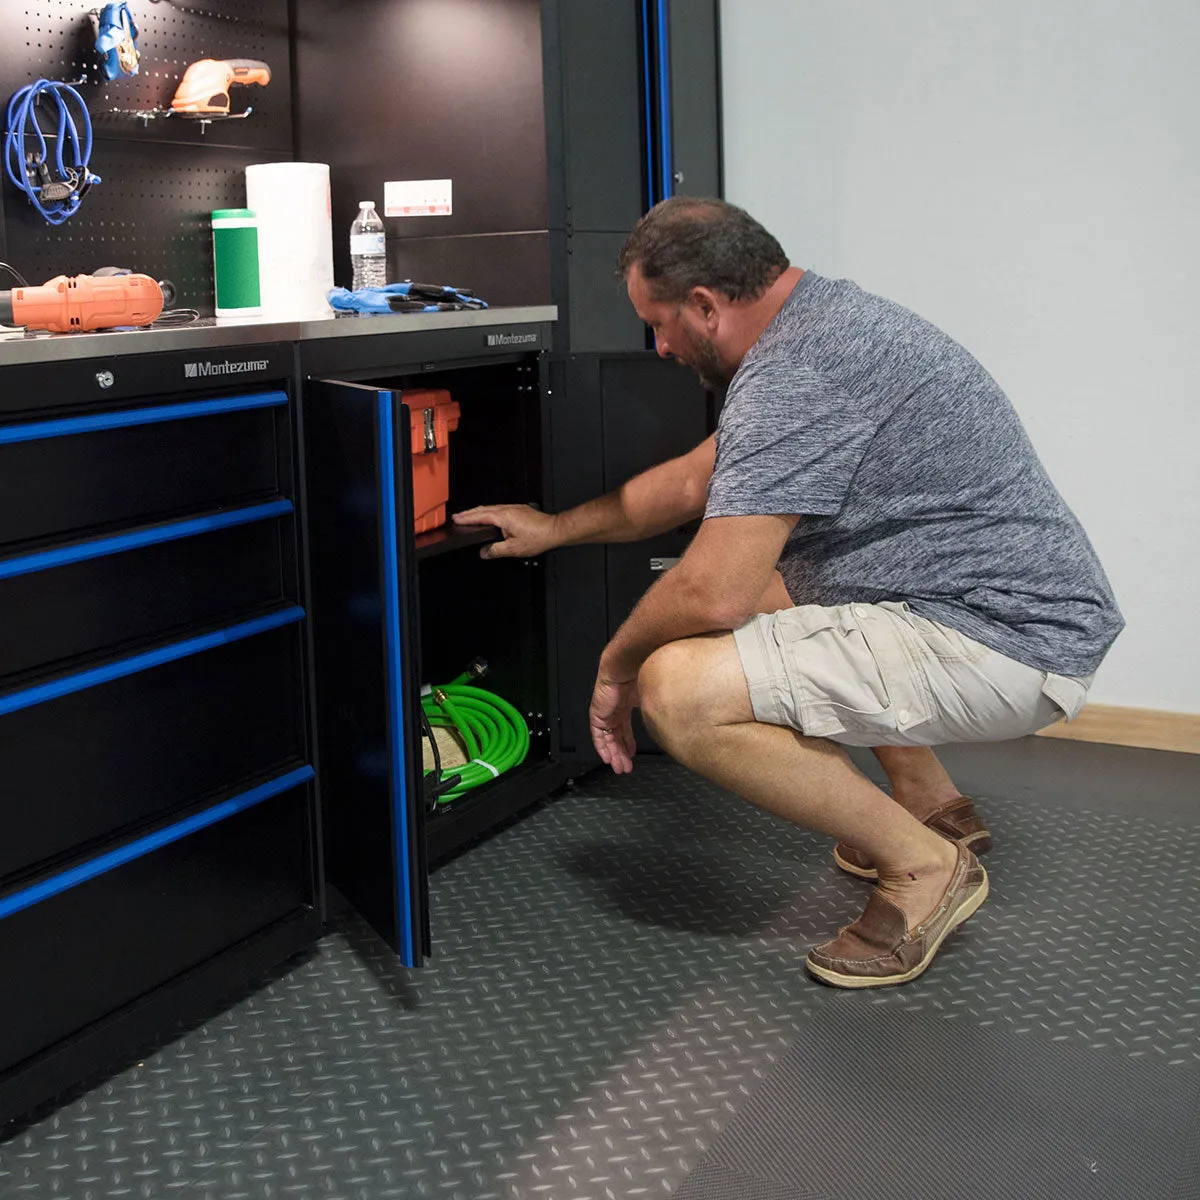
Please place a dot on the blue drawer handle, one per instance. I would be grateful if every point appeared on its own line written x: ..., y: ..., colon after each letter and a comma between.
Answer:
x: 66, y: 880
x: 65, y: 426
x: 81, y: 680
x: 45, y: 560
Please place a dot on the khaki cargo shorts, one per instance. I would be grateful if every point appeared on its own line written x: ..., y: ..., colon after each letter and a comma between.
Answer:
x: 879, y: 675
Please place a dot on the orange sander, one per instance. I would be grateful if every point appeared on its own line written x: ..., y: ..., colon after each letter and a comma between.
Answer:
x: 83, y: 302
x: 204, y: 88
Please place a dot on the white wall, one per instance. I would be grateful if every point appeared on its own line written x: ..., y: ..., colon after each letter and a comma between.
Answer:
x: 1025, y: 174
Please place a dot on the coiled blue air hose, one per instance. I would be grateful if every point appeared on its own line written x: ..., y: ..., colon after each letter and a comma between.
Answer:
x: 55, y: 199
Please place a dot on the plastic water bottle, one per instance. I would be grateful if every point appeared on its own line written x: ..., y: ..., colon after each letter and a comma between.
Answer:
x: 368, y: 248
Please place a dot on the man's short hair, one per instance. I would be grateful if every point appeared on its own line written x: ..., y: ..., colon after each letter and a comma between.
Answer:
x: 687, y: 242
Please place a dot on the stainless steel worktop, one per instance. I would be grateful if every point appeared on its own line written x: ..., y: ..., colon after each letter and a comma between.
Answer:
x: 19, y: 347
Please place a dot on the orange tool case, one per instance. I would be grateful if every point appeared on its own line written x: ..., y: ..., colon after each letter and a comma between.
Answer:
x: 434, y: 418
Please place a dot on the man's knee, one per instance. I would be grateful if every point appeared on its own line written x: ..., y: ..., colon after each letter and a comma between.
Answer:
x: 666, y: 685
x: 692, y: 684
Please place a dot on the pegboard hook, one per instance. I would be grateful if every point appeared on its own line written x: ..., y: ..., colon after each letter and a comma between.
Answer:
x: 208, y: 120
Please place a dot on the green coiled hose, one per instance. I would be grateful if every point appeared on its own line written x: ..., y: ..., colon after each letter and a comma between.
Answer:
x: 494, y: 734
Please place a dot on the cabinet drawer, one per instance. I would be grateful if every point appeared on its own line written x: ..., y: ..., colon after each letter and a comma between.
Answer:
x: 81, y: 953
x: 82, y: 598
x: 90, y: 763
x: 79, y: 473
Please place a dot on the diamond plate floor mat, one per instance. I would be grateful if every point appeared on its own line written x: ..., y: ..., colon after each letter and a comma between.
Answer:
x: 865, y: 1104
x: 617, y: 1001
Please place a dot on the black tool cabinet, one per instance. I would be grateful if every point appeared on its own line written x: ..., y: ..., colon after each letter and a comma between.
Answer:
x: 203, y: 725
x: 156, y: 777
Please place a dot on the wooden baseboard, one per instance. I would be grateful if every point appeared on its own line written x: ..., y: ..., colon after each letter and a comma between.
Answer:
x: 1144, y: 727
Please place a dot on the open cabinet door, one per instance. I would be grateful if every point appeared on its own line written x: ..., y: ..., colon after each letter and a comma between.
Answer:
x: 365, y: 630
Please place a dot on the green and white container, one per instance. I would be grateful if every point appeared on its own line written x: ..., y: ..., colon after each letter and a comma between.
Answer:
x: 235, y: 262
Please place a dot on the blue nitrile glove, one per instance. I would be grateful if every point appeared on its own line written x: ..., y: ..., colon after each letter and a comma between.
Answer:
x: 375, y: 300
x: 365, y: 300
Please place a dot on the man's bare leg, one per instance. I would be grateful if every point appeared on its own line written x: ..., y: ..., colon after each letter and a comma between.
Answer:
x: 695, y: 700
x: 919, y: 781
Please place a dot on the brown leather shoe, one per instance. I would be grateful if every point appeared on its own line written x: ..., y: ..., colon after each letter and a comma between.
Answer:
x: 878, y: 949
x: 957, y: 822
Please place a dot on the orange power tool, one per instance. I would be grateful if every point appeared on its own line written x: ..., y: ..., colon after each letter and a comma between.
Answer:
x: 78, y: 303
x: 204, y: 87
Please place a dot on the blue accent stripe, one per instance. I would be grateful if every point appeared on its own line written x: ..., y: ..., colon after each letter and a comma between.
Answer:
x: 46, y: 560
x: 664, y: 101
x: 66, y: 880
x: 66, y: 426
x: 648, y: 83
x: 81, y: 680
x: 391, y: 616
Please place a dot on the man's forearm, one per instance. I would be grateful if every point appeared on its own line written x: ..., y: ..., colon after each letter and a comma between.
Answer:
x: 717, y: 587
x: 605, y: 519
x: 668, y: 495
x: 677, y: 606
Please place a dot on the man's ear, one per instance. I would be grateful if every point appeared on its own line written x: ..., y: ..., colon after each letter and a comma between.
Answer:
x: 705, y: 302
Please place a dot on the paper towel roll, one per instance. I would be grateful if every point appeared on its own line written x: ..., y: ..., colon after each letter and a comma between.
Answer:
x: 295, y: 237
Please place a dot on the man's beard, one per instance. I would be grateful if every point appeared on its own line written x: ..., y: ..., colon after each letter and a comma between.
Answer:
x: 702, y: 357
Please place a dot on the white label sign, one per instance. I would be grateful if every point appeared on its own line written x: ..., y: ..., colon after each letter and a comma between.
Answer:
x: 418, y: 198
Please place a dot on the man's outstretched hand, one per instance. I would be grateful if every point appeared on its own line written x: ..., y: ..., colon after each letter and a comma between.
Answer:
x: 610, y: 718
x: 527, y: 532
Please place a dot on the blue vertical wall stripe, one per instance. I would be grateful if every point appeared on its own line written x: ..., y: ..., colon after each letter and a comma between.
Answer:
x: 664, y: 100
x: 392, y: 634
x: 648, y: 80
x: 171, y: 531
x: 81, y: 680
x: 66, y: 880
x: 66, y: 426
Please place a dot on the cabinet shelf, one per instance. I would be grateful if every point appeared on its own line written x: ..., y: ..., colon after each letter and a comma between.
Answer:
x: 451, y: 537
x: 450, y: 828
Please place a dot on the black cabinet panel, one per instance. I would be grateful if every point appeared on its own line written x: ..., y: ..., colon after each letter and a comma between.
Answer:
x: 579, y: 590
x: 603, y: 106
x: 601, y: 317
x: 125, y: 932
x: 91, y: 763
x: 654, y: 410
x: 581, y: 605
x: 425, y: 89
x: 57, y: 485
x: 502, y: 268
x: 633, y: 113
x: 366, y: 655
x: 48, y: 616
x: 695, y: 98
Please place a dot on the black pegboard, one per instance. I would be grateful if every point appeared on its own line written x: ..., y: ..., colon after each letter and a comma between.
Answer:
x: 150, y: 214
x: 160, y: 178
x: 57, y: 43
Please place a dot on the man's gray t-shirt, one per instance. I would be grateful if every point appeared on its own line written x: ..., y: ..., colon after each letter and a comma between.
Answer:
x: 913, y: 478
